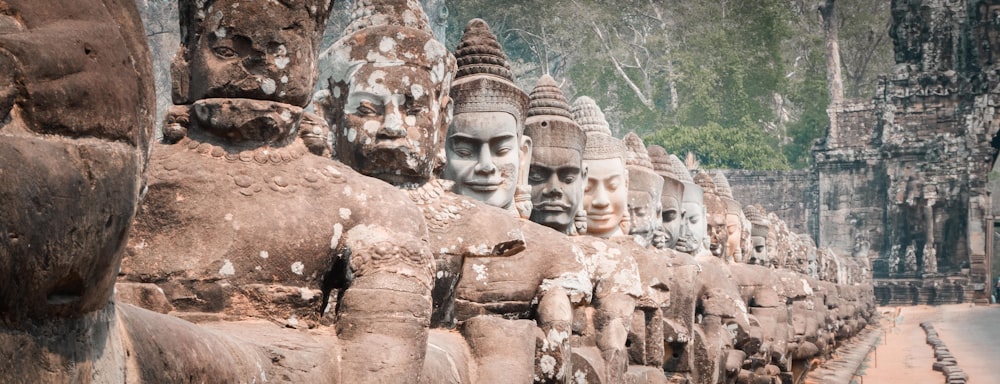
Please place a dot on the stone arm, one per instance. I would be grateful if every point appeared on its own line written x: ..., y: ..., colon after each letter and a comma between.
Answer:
x: 384, y: 311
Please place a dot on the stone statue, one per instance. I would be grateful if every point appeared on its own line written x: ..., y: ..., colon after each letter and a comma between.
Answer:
x: 737, y: 225
x: 930, y: 259
x: 605, y: 197
x: 670, y: 199
x: 487, y: 152
x: 242, y: 221
x: 759, y: 227
x: 645, y: 187
x: 78, y: 128
x: 715, y: 220
x: 694, y: 229
x: 388, y: 104
x: 910, y: 259
x: 557, y: 174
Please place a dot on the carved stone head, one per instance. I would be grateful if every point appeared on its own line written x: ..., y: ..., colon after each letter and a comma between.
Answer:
x: 557, y: 174
x: 386, y: 93
x: 76, y: 102
x: 738, y: 233
x: 694, y: 227
x: 227, y: 53
x: 605, y: 197
x: 644, y: 189
x: 671, y: 196
x: 715, y: 208
x: 485, y: 145
x: 758, y: 236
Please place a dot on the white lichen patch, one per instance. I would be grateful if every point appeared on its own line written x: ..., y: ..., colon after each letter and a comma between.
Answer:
x: 481, y: 272
x: 338, y: 232
x: 547, y: 364
x: 227, y: 268
x: 306, y: 293
x: 264, y: 254
x: 229, y: 217
x: 371, y: 127
x: 387, y: 44
x: 298, y: 267
x: 577, y: 285
x: 345, y: 213
x: 220, y: 33
x: 268, y: 86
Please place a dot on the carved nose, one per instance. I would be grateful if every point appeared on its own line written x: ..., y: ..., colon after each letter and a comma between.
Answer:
x: 485, y: 163
x: 552, y: 191
x: 392, y: 126
x: 600, y: 199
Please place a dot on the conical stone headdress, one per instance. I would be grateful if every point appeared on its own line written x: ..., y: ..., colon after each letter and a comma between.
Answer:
x: 484, y: 82
x: 550, y: 123
x: 387, y: 33
x: 641, y: 176
x: 600, y: 144
x: 758, y: 221
x: 722, y: 187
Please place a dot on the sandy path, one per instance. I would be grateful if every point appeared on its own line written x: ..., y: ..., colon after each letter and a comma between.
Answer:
x: 971, y: 333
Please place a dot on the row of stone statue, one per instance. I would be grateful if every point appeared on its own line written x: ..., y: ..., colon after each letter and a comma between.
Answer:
x: 428, y: 221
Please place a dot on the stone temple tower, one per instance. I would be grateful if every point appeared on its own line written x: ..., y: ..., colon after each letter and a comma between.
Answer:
x: 902, y: 177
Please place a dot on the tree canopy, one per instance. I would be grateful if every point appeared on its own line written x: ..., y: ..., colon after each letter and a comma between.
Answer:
x: 741, y: 84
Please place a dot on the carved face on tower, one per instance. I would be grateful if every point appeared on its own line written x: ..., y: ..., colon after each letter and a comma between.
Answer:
x: 557, y: 174
x: 229, y: 54
x: 485, y: 144
x: 74, y: 132
x: 605, y: 196
x: 387, y: 98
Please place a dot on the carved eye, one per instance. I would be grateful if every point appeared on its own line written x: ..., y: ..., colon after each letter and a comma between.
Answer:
x: 366, y: 109
x: 224, y: 52
x: 414, y: 111
x: 569, y: 179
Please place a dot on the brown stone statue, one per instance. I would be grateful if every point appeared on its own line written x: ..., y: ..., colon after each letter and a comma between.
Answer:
x: 242, y: 221
x: 605, y: 196
x: 76, y: 130
x: 388, y: 104
x: 487, y: 152
x: 557, y: 174
x: 670, y: 199
x: 694, y: 227
x: 759, y: 227
x: 737, y: 225
x: 644, y: 189
x: 715, y: 220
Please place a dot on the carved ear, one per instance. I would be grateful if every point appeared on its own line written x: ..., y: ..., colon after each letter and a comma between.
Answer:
x: 447, y: 112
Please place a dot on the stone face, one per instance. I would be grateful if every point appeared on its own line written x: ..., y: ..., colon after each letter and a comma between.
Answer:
x: 487, y: 153
x: 75, y: 124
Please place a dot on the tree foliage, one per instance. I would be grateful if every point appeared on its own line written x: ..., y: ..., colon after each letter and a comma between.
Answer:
x: 741, y: 84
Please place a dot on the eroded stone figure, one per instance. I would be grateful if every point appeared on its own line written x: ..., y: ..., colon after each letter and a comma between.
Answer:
x: 644, y: 190
x: 605, y: 196
x: 241, y: 220
x: 737, y: 225
x: 78, y: 128
x: 670, y: 199
x: 715, y: 218
x: 694, y: 227
x: 387, y: 101
x: 759, y: 227
x: 487, y: 152
x: 557, y: 174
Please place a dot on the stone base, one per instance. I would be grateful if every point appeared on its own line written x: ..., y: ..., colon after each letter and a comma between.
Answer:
x: 930, y: 290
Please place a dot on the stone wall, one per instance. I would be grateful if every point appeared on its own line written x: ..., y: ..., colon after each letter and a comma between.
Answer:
x: 905, y: 173
x: 789, y: 194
